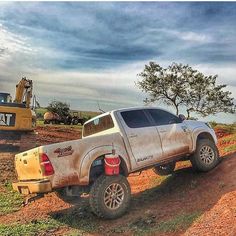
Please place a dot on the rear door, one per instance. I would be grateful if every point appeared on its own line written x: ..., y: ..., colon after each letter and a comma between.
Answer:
x: 175, y: 137
x: 145, y: 143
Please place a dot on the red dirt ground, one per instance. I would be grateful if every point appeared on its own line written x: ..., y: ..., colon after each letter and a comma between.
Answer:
x: 212, y: 195
x: 54, y: 134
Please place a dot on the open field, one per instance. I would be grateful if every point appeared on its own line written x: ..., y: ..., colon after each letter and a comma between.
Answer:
x: 87, y: 114
x: 185, y: 203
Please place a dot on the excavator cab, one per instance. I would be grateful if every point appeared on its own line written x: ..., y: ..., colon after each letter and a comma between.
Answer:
x: 5, y: 98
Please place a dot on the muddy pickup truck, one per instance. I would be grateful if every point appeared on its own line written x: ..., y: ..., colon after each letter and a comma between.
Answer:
x: 140, y: 138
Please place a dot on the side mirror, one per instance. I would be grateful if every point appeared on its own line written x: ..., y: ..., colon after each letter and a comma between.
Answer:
x: 182, y: 117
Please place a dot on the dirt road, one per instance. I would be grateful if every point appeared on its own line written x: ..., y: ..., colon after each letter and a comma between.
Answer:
x: 185, y: 203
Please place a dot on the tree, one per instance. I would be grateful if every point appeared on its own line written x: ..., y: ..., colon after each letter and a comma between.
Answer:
x: 61, y: 108
x: 180, y: 85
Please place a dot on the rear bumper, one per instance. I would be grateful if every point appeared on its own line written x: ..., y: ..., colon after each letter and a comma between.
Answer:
x: 27, y: 187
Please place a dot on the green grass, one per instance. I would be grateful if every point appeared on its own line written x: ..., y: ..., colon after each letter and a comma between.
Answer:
x: 180, y: 222
x: 86, y: 114
x: 80, y: 227
x: 227, y: 128
x: 80, y: 221
x: 41, y: 123
x: 230, y: 148
x: 10, y: 200
x: 31, y: 228
x: 230, y: 141
x: 150, y: 224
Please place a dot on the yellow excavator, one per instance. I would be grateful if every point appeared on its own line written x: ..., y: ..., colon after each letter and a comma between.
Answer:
x: 17, y: 119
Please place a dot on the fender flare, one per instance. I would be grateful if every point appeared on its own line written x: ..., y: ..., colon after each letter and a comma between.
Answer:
x: 88, y: 159
x: 198, y: 131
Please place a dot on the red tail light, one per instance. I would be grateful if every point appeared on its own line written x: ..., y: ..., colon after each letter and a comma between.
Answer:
x: 46, y: 165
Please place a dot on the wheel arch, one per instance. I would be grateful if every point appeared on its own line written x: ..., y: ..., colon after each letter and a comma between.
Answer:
x: 87, y: 167
x: 205, y: 135
x: 199, y: 135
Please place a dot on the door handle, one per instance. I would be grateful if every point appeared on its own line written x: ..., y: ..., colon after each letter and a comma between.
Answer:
x: 133, y: 136
x: 184, y: 128
x: 162, y: 131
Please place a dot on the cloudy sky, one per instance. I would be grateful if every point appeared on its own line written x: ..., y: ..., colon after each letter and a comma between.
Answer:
x: 83, y: 53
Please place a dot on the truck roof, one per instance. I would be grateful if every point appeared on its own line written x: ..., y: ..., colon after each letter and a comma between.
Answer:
x: 123, y: 109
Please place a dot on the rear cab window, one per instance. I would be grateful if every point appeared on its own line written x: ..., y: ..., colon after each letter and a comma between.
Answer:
x: 98, y: 125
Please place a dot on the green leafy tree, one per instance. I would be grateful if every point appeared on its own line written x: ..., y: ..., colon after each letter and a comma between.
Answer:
x: 180, y: 85
x: 61, y: 108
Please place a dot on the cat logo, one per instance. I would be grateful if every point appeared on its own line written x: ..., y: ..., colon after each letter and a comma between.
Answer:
x: 7, y: 119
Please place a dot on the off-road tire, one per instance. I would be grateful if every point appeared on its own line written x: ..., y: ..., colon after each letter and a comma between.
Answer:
x: 99, y: 191
x: 204, y: 163
x: 165, y: 169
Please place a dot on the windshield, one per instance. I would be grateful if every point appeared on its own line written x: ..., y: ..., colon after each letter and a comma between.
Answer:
x: 98, y: 125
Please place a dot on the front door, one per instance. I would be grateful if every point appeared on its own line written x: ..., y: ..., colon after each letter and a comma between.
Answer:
x: 175, y: 137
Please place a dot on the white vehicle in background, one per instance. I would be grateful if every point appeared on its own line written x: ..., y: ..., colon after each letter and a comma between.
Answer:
x: 114, y: 145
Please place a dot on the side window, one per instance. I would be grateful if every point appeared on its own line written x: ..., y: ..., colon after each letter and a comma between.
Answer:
x: 163, y: 117
x: 135, y: 119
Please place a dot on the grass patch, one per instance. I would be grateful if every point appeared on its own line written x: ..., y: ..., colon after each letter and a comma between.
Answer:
x: 80, y: 223
x: 149, y: 224
x: 180, y: 222
x: 62, y: 126
x: 10, y: 200
x: 29, y: 229
x: 85, y: 114
x: 80, y: 219
x: 227, y: 139
x: 225, y: 128
x: 230, y: 148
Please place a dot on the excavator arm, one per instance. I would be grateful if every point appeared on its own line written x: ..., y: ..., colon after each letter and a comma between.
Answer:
x: 17, y: 120
x: 24, y: 92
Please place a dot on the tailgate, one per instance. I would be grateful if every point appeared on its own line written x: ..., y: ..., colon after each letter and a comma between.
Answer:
x: 28, y: 166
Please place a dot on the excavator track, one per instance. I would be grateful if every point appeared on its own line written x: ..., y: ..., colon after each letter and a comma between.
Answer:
x: 17, y: 141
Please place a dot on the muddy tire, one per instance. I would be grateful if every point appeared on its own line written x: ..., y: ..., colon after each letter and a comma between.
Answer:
x: 165, y: 169
x: 206, y: 156
x: 110, y: 196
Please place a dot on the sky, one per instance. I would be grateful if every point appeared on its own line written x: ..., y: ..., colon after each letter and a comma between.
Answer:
x: 85, y: 53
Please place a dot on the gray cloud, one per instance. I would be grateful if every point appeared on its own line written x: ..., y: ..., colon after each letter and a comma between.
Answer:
x: 93, y: 51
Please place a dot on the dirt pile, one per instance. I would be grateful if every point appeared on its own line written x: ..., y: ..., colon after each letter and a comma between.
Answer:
x: 55, y: 134
x: 7, y: 172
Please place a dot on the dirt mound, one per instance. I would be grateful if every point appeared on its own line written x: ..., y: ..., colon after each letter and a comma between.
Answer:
x: 7, y: 170
x: 55, y: 134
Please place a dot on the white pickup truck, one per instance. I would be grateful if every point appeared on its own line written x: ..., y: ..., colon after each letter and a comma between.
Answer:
x: 142, y: 138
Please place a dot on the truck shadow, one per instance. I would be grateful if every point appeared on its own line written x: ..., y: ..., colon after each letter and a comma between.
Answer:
x: 185, y: 194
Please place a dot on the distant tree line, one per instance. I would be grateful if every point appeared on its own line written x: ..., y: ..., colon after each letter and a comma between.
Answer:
x: 61, y: 108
